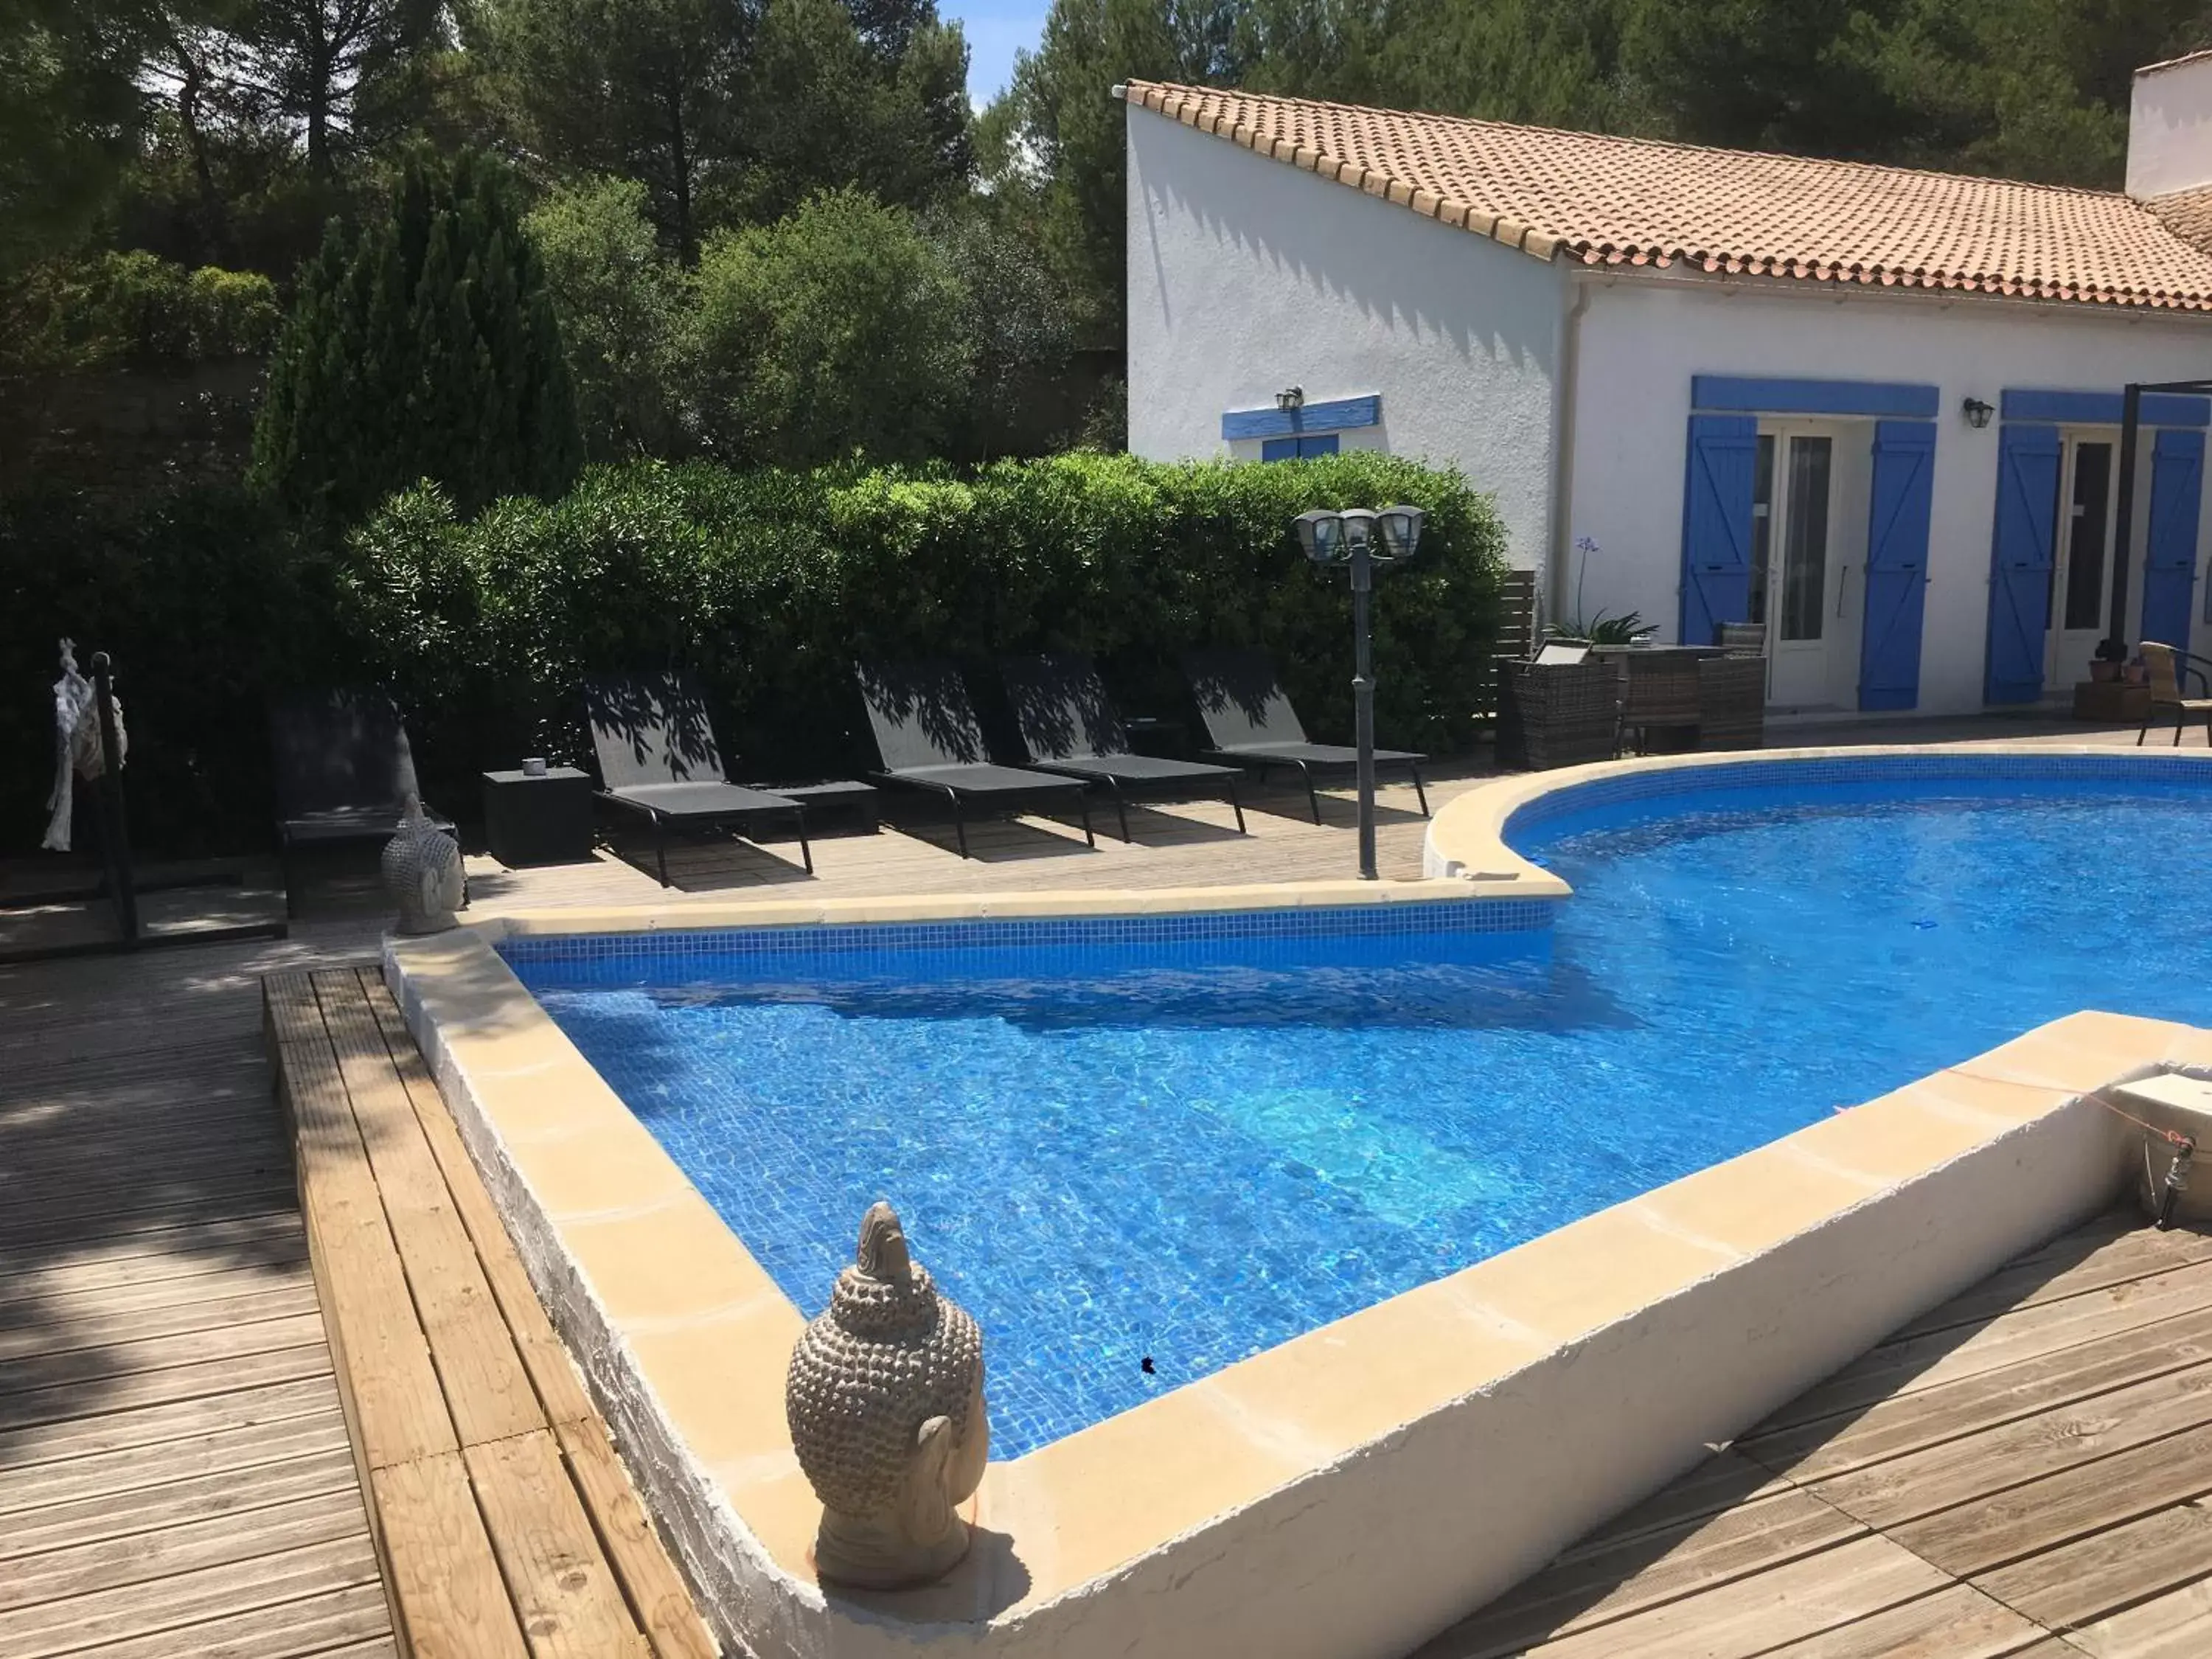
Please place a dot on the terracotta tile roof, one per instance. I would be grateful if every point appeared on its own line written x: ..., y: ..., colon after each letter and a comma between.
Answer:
x: 2187, y: 214
x: 1607, y: 201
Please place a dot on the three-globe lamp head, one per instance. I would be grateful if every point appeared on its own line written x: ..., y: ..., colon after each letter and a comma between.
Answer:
x: 1331, y: 537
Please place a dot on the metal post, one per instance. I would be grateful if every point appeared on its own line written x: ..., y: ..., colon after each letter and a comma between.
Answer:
x: 114, y: 829
x: 2115, y: 647
x: 1363, y: 692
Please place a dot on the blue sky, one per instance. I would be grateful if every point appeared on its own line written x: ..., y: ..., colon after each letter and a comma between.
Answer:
x: 996, y: 29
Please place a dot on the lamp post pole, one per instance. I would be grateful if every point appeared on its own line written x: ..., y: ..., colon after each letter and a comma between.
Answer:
x: 1363, y: 700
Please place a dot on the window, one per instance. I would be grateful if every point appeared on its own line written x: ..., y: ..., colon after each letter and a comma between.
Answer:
x: 1297, y: 449
x: 2087, y: 528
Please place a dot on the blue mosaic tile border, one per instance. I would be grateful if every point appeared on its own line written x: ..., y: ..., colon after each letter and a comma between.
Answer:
x: 798, y: 944
x: 1690, y: 782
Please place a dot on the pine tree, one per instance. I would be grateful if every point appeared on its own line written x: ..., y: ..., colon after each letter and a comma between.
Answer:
x: 427, y: 349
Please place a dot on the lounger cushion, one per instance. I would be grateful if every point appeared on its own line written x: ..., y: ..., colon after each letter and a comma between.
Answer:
x: 1139, y: 768
x: 1312, y: 754
x: 983, y: 779
x: 701, y: 801
x: 650, y: 730
x: 1241, y: 699
x: 1063, y: 708
x: 338, y: 753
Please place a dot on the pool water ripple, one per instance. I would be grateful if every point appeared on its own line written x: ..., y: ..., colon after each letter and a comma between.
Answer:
x: 1191, y: 1161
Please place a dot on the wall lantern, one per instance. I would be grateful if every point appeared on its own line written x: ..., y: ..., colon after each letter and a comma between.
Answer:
x: 1362, y: 538
x: 1290, y: 397
x: 1977, y: 413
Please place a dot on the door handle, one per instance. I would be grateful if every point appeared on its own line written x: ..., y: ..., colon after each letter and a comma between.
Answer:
x: 1842, y: 582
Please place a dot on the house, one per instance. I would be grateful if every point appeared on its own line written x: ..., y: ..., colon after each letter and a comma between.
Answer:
x: 1877, y: 411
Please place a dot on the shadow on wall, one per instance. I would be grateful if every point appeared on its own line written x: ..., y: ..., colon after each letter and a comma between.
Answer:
x: 1330, y: 238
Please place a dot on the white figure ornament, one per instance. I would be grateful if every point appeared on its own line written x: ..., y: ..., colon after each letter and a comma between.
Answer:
x: 423, y: 875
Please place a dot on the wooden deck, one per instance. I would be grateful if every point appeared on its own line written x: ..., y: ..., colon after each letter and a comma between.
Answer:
x: 176, y: 1475
x: 505, y: 1522
x: 2026, y: 1471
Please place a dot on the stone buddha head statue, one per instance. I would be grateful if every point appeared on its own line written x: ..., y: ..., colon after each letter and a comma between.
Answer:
x: 423, y: 873
x: 885, y: 1403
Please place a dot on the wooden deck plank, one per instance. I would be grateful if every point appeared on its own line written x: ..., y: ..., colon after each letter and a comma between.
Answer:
x: 100, y: 1432
x: 1658, y: 1567
x: 2175, y: 1625
x: 66, y: 1402
x: 224, y: 1451
x: 486, y: 1390
x: 325, y: 1471
x: 657, y: 1597
x: 1959, y: 1471
x: 1754, y: 1615
x: 552, y: 1373
x: 104, y: 1363
x: 330, y: 1625
x: 2022, y: 1520
x: 569, y: 1602
x: 2096, y: 1577
x: 1725, y: 1478
x: 2012, y: 1338
x: 69, y: 1333
x: 445, y: 1580
x: 1911, y: 1422
x: 394, y: 1400
x: 1958, y: 1622
x: 113, y: 1614
x: 209, y: 1540
x: 2115, y: 1249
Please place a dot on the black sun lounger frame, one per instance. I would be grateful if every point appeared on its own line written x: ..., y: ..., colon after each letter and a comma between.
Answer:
x: 1069, y: 725
x: 1249, y: 721
x: 929, y: 739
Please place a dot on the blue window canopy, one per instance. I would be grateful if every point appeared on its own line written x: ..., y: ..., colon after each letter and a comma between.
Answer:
x: 1297, y: 449
x: 2103, y: 408
x: 1340, y: 416
x: 1884, y: 399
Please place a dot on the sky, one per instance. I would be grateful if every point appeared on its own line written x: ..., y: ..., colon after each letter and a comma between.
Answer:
x: 996, y: 29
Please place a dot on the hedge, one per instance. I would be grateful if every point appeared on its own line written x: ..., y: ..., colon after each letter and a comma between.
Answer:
x: 768, y: 585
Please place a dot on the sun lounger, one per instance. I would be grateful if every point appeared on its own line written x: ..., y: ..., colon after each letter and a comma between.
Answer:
x: 1069, y: 725
x: 343, y: 770
x: 1250, y: 722
x: 929, y: 739
x: 658, y: 756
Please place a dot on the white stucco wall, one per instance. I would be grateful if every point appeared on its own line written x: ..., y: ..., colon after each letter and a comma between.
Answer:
x: 1246, y: 276
x: 1642, y: 337
x: 2170, y: 127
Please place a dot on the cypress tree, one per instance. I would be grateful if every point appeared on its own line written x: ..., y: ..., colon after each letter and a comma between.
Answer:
x: 425, y: 349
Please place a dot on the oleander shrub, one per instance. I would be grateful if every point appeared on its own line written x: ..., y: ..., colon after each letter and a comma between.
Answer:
x: 767, y: 584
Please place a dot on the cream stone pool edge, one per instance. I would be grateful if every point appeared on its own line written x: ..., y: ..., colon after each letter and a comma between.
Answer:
x: 1461, y: 1432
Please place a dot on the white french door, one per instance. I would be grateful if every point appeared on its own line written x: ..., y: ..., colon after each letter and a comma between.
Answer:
x: 1797, y: 576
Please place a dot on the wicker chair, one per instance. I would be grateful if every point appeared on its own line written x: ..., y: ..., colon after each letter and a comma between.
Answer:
x: 1659, y: 692
x: 1732, y: 702
x: 2169, y: 670
x: 1557, y: 713
x: 1740, y: 638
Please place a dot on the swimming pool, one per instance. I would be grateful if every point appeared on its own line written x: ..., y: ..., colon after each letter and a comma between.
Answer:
x: 1185, y: 1142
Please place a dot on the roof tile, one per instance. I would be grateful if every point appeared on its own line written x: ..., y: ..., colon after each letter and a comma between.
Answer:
x: 1609, y: 201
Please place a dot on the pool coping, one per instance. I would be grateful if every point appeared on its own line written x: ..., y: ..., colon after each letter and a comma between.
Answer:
x: 1566, y: 1378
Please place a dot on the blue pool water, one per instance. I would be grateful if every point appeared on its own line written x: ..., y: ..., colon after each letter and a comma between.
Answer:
x: 1192, y: 1148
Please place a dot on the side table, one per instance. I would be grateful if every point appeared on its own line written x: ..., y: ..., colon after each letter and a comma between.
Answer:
x: 2114, y: 703
x: 543, y: 820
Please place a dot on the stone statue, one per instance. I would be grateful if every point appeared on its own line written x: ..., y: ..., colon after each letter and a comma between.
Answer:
x: 423, y: 875
x: 885, y: 1403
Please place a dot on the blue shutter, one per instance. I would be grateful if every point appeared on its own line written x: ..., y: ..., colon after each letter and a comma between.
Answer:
x: 1297, y: 449
x: 1897, y: 563
x: 1324, y: 445
x: 2177, y: 489
x: 1716, y: 524
x: 2020, y: 558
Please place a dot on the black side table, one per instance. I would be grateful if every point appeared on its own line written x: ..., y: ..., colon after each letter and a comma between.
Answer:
x: 543, y: 820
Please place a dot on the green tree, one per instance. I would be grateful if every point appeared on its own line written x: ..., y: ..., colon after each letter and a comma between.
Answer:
x: 621, y: 302
x: 645, y: 89
x: 833, y: 331
x: 425, y: 348
x: 72, y: 113
x: 1014, y: 320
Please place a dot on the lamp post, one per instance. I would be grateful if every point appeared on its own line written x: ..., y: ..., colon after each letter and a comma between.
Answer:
x: 1362, y: 538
